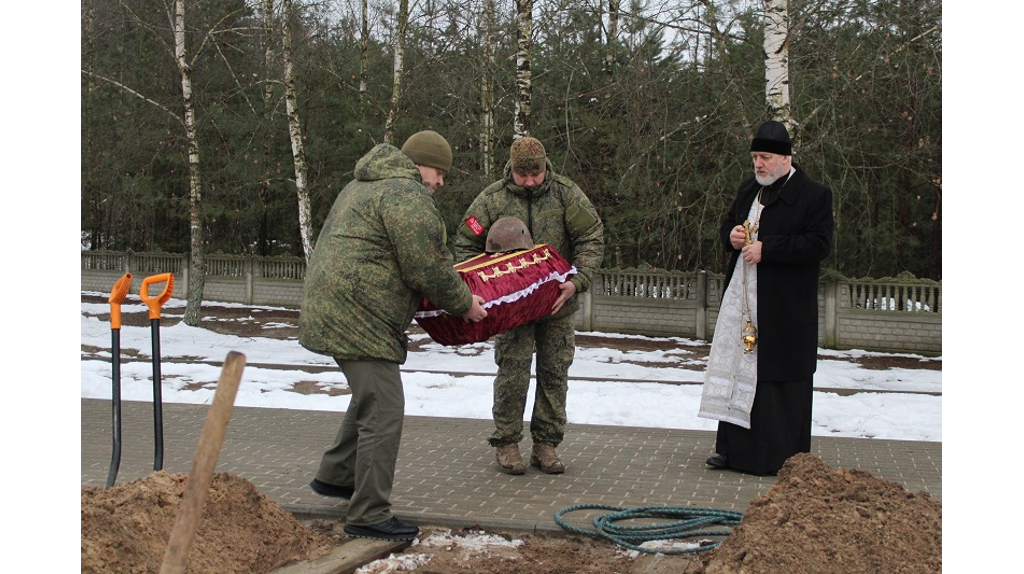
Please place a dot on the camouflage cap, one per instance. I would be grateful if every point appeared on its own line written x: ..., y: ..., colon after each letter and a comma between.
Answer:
x: 527, y: 156
x: 429, y: 148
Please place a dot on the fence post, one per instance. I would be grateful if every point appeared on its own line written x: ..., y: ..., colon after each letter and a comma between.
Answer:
x: 248, y: 277
x: 831, y: 312
x: 127, y: 267
x: 187, y: 260
x: 702, y: 305
x: 587, y: 305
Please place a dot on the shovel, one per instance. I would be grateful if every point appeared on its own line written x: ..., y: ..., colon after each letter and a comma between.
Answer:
x: 117, y: 295
x: 154, y: 304
x: 190, y: 510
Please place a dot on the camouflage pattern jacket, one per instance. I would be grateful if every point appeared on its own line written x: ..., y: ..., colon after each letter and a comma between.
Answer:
x: 557, y: 213
x: 382, y: 249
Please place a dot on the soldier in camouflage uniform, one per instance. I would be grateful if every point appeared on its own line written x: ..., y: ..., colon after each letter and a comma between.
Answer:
x: 556, y: 213
x: 381, y: 250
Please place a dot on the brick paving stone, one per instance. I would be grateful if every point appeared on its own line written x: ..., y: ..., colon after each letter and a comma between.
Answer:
x: 447, y: 474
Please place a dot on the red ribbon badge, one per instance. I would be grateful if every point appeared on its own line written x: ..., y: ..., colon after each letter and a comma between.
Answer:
x: 474, y: 225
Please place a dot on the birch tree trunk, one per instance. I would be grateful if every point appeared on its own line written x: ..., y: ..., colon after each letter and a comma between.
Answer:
x: 613, y: 33
x: 364, y: 47
x: 268, y: 113
x: 490, y: 64
x: 291, y: 99
x: 197, y: 273
x: 396, y: 86
x: 776, y: 68
x: 524, y: 83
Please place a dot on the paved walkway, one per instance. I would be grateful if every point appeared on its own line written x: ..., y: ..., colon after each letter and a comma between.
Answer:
x: 447, y: 475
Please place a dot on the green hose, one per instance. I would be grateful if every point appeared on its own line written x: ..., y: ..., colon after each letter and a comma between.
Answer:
x: 688, y: 522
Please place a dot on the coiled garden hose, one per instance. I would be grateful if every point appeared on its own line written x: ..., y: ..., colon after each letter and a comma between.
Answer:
x: 688, y: 522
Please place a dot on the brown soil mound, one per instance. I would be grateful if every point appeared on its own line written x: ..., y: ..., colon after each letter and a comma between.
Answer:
x: 813, y: 520
x: 819, y: 520
x: 125, y: 528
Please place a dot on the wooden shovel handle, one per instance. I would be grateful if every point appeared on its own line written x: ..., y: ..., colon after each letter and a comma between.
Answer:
x: 191, y: 510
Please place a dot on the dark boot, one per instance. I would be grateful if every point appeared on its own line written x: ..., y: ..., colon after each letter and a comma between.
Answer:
x: 390, y: 529
x: 334, y: 490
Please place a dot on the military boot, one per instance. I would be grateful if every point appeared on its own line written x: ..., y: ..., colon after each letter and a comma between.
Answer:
x: 509, y: 459
x: 545, y: 458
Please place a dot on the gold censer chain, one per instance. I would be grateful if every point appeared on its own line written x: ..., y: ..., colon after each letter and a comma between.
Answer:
x: 749, y: 336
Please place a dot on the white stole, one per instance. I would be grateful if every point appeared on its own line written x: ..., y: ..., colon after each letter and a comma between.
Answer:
x: 730, y: 380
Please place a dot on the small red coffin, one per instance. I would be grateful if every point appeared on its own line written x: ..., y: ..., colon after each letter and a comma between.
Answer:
x: 517, y: 288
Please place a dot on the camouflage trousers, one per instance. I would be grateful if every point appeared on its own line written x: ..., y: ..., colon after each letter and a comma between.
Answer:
x: 365, y: 452
x: 554, y: 342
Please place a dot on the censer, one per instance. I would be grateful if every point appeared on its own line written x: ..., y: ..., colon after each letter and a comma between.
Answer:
x: 749, y: 337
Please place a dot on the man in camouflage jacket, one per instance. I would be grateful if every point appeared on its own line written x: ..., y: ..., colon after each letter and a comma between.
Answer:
x: 559, y: 214
x: 381, y: 250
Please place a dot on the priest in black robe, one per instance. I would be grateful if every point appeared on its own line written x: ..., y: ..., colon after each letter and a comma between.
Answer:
x: 759, y: 380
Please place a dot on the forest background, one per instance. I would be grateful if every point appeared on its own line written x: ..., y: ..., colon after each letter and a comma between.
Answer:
x: 649, y: 105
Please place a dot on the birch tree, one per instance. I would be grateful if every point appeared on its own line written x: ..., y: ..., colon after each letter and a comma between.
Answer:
x: 399, y: 68
x: 291, y: 99
x: 197, y: 262
x: 613, y: 32
x: 490, y: 64
x: 524, y: 82
x: 269, y: 61
x: 187, y: 119
x: 776, y: 61
x: 364, y: 47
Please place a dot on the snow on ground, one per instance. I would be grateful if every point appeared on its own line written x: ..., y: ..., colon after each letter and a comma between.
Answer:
x: 607, y: 386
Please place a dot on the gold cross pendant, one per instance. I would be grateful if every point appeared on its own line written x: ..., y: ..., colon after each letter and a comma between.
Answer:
x: 750, y: 230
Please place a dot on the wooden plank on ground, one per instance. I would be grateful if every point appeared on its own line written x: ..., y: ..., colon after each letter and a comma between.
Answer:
x: 346, y: 558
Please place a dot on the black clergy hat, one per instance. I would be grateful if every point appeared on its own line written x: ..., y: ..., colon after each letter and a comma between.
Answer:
x: 772, y: 137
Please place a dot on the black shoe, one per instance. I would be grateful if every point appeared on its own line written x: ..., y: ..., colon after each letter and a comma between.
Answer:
x: 391, y: 529
x: 331, y: 490
x: 718, y: 461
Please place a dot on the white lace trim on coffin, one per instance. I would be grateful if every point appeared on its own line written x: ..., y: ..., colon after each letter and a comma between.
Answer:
x: 509, y: 297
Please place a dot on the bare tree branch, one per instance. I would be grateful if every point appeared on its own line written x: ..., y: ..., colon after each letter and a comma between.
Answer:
x: 162, y: 107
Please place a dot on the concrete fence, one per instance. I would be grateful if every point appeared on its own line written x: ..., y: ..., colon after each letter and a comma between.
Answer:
x: 901, y: 314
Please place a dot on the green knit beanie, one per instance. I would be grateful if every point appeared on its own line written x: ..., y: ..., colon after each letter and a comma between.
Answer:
x: 429, y: 148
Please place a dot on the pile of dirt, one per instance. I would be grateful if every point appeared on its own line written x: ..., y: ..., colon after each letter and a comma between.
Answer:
x: 816, y: 519
x: 125, y: 528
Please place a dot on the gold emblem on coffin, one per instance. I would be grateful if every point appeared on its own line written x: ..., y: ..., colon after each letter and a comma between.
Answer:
x: 511, y: 266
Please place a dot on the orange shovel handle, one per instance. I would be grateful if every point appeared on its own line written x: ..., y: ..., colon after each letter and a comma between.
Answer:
x: 155, y: 303
x: 117, y: 295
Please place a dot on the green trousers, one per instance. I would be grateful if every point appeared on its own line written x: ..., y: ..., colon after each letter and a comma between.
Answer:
x: 366, y: 449
x: 554, y: 342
